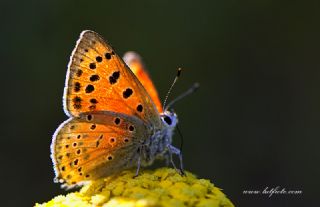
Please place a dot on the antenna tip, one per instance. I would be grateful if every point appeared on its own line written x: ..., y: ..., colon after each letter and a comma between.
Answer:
x: 195, y: 86
x: 179, y: 72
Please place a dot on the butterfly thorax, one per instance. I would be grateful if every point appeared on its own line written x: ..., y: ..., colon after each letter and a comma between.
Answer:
x: 157, y: 146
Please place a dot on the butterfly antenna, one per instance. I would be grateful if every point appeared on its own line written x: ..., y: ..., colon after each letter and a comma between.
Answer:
x: 192, y: 89
x: 170, y: 89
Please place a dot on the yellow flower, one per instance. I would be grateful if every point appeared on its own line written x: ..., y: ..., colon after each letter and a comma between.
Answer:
x: 162, y: 187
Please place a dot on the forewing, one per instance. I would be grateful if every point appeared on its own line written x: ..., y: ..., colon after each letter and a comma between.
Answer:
x: 95, y: 145
x: 99, y: 80
x: 134, y: 61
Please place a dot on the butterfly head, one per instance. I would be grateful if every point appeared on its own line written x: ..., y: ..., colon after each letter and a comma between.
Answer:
x: 169, y: 119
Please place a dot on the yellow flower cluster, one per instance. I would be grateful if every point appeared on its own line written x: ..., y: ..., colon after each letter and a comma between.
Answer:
x: 162, y: 187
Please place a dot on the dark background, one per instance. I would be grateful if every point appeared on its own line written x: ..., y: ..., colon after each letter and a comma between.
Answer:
x: 255, y: 122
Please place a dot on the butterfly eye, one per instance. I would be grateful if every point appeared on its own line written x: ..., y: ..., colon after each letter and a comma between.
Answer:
x: 167, y: 119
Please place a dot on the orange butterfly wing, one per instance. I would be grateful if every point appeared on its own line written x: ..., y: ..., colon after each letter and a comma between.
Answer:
x: 133, y: 60
x: 99, y: 80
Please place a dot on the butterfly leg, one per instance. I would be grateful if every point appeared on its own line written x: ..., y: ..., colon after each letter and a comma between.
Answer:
x: 167, y: 159
x: 174, y: 150
x: 138, y: 165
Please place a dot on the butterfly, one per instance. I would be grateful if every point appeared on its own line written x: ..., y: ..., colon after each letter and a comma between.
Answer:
x: 116, y: 120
